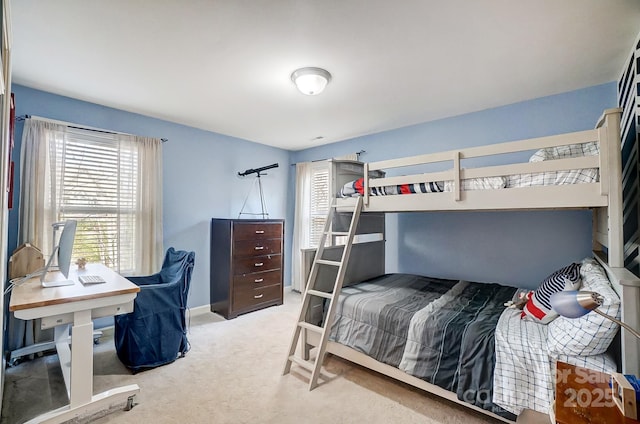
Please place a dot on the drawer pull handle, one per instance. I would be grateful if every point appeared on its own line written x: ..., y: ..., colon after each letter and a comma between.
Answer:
x: 258, y: 296
x: 258, y: 264
x: 259, y: 231
x: 258, y: 280
x: 259, y: 247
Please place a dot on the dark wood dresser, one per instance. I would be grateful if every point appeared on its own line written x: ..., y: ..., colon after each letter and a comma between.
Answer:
x: 246, y: 265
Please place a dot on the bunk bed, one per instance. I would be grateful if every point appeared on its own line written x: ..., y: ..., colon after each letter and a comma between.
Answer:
x: 577, y: 170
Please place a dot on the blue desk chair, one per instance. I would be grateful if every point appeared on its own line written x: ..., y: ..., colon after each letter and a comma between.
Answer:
x: 155, y: 333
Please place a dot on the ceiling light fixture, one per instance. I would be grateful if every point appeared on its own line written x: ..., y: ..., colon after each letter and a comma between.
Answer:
x: 311, y: 81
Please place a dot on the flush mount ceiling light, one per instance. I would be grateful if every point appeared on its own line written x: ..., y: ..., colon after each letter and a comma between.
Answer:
x: 311, y: 81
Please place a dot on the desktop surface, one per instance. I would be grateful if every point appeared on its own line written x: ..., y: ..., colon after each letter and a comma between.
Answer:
x: 31, y: 294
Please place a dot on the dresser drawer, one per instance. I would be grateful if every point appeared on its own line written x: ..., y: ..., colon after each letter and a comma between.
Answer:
x: 258, y: 230
x: 257, y: 280
x: 256, y: 264
x: 257, y: 247
x: 249, y: 297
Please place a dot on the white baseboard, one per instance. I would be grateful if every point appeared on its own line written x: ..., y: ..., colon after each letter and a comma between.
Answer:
x: 199, y: 310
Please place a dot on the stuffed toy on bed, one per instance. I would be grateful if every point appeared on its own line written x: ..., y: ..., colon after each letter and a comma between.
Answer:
x: 535, y: 305
x: 523, y: 298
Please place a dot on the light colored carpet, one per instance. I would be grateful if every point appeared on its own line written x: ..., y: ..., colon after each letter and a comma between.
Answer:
x: 233, y: 374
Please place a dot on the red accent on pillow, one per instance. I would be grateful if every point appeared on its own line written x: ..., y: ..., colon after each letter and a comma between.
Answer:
x: 358, y: 185
x: 533, y: 310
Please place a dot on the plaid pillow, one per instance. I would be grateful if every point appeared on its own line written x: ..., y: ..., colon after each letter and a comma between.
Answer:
x: 538, y: 307
x: 590, y: 334
x: 569, y: 151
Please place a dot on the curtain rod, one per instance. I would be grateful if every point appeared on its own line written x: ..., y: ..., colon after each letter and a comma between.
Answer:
x: 70, y: 125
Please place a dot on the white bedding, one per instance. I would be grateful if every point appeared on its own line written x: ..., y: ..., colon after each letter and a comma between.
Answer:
x: 524, y: 375
x: 576, y: 176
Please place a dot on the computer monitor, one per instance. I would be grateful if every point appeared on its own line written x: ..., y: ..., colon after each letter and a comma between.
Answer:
x: 63, y: 251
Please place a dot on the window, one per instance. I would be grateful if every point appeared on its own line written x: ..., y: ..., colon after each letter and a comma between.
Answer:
x: 320, y: 198
x: 98, y: 188
x: 319, y: 201
x: 110, y: 183
x: 312, y: 204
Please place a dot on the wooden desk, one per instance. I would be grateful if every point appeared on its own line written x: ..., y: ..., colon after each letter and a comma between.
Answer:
x: 74, y: 307
x: 584, y: 396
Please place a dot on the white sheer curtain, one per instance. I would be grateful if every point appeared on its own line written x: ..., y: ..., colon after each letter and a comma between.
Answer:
x: 302, y: 226
x: 148, y: 235
x: 300, y: 223
x: 37, y: 212
x: 38, y: 194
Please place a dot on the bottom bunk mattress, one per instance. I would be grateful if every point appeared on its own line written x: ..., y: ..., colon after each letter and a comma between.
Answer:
x: 441, y: 331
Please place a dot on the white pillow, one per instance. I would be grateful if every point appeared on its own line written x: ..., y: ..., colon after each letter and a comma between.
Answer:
x: 590, y: 334
x: 569, y: 151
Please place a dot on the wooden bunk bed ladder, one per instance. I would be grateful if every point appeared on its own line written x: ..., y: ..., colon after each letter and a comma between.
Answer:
x: 312, y: 291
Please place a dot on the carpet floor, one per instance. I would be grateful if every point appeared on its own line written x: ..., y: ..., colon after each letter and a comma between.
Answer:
x: 233, y: 374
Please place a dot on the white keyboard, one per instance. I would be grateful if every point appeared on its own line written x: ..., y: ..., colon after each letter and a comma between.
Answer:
x: 91, y: 279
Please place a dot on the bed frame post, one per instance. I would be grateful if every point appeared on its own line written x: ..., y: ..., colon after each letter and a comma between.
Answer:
x: 611, y: 128
x: 629, y: 284
x: 630, y: 307
x: 365, y: 181
x: 456, y: 176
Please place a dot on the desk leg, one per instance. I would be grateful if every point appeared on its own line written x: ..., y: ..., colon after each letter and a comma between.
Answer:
x: 61, y: 340
x: 77, y: 361
x: 81, y: 359
x: 77, y: 369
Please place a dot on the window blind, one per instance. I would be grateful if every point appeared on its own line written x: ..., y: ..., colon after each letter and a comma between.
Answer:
x: 319, y: 201
x: 97, y: 175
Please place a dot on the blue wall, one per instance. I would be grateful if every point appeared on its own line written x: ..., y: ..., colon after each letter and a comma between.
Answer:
x: 200, y: 174
x: 516, y: 248
x: 200, y: 182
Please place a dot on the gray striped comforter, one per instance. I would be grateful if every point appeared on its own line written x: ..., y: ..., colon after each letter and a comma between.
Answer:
x: 441, y: 331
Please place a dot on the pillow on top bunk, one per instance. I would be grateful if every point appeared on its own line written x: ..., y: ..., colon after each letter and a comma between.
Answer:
x: 356, y: 188
x: 538, y: 306
x: 590, y: 334
x: 564, y: 152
